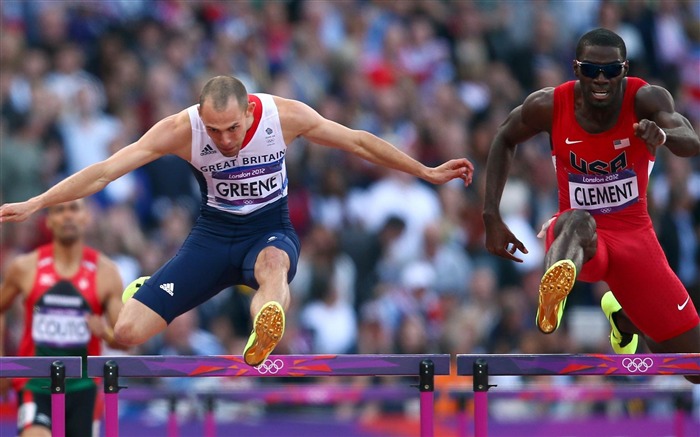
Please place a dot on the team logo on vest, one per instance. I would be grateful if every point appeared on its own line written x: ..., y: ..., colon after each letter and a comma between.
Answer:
x: 598, y: 166
x: 270, y: 137
x: 207, y: 150
x: 47, y: 280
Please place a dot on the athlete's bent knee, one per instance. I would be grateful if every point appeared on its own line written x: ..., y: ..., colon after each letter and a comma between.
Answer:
x: 577, y: 223
x: 128, y: 334
x: 272, y: 258
x: 137, y: 323
x: 582, y: 220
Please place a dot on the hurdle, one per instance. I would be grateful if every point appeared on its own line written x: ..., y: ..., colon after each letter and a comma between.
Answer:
x: 423, y: 366
x: 293, y: 394
x: 55, y: 368
x: 481, y: 366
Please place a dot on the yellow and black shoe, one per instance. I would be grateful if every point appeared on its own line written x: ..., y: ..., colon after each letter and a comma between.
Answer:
x: 621, y: 343
x: 132, y: 288
x: 268, y: 328
x: 555, y: 286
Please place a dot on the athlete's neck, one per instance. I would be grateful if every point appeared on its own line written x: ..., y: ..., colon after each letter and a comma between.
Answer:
x: 67, y: 257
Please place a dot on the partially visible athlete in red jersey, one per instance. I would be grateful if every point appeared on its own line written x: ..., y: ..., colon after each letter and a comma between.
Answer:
x: 66, y: 288
x: 605, y: 129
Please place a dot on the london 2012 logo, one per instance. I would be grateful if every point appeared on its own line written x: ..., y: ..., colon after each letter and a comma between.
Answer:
x: 637, y: 364
x: 270, y: 367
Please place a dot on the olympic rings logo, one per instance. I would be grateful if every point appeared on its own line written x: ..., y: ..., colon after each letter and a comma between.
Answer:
x: 269, y: 366
x: 606, y: 210
x: 634, y: 365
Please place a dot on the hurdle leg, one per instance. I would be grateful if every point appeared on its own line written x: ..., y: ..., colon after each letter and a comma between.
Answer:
x: 111, y: 391
x: 58, y: 399
x: 481, y: 403
x: 209, y: 418
x: 172, y: 417
x: 462, y: 429
x: 427, y: 397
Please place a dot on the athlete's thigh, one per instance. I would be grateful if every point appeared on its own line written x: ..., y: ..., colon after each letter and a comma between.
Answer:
x: 649, y: 291
x: 284, y: 239
x: 33, y: 414
x: 201, y: 268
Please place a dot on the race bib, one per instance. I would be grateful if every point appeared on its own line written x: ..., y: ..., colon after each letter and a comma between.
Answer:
x: 64, y: 328
x: 249, y: 185
x: 603, y: 194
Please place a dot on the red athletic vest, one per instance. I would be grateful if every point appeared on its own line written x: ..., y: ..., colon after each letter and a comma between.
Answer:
x: 605, y: 173
x: 55, y: 311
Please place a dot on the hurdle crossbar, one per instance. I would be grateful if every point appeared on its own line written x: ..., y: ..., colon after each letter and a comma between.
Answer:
x: 424, y: 366
x: 55, y: 368
x: 38, y: 367
x: 481, y: 366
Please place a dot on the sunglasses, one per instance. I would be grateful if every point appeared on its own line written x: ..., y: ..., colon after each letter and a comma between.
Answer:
x: 591, y: 70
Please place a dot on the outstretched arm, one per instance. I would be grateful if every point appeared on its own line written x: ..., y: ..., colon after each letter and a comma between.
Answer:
x: 167, y: 136
x: 301, y: 120
x: 522, y: 123
x: 660, y: 124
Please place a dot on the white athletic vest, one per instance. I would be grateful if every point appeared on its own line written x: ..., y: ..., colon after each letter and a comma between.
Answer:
x: 253, y: 179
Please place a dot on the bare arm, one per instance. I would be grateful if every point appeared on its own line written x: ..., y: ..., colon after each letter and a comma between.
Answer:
x: 525, y: 121
x: 656, y: 111
x: 298, y: 119
x: 9, y: 289
x: 109, y: 291
x: 5, y: 383
x: 170, y: 135
x: 17, y: 279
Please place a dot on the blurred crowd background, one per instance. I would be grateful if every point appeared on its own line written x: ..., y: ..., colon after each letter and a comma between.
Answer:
x: 389, y: 263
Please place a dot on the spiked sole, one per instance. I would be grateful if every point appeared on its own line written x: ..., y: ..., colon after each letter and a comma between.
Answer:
x: 555, y: 286
x: 268, y: 329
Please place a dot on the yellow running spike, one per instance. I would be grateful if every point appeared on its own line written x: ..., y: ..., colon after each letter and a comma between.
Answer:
x: 555, y: 286
x: 621, y: 344
x: 268, y: 329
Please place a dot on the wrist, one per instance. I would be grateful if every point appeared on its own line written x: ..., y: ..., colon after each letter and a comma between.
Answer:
x: 108, y: 335
x: 663, y: 141
x: 36, y: 203
x: 491, y: 214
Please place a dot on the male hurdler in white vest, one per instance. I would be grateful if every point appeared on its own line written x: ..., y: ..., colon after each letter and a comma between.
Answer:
x: 236, y: 143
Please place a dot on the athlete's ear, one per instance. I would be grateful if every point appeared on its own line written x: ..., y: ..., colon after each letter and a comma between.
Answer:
x: 250, y: 109
x: 626, y: 68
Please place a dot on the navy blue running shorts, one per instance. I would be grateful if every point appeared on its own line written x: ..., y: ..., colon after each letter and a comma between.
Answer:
x: 219, y: 252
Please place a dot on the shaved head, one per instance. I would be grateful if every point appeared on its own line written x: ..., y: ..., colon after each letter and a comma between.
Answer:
x: 220, y: 89
x: 602, y: 38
